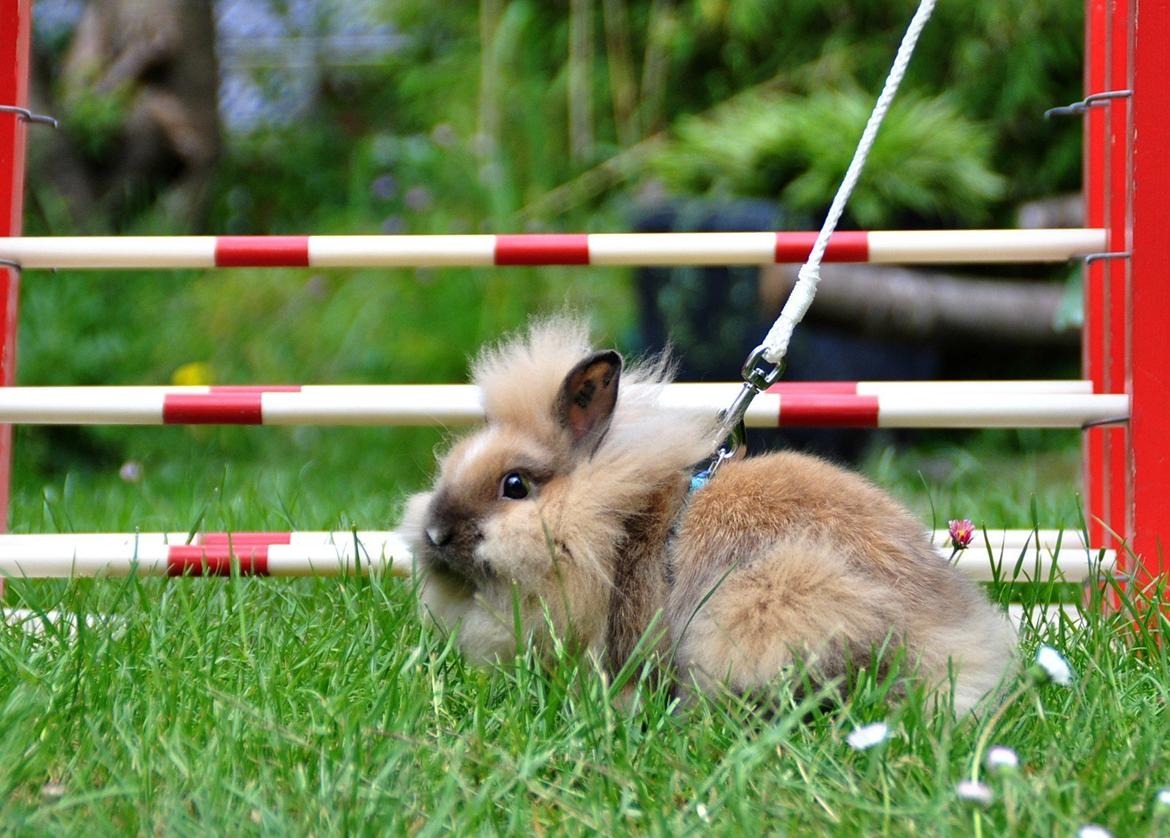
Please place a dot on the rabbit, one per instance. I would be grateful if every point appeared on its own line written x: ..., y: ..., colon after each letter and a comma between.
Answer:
x: 571, y: 509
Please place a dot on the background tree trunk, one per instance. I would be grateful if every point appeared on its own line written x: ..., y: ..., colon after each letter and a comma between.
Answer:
x: 928, y: 305
x: 137, y: 96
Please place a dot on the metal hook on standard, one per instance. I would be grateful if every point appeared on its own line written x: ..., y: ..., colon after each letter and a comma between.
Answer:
x: 1090, y: 101
x: 1108, y: 420
x: 1098, y: 257
x: 9, y: 263
x: 28, y: 116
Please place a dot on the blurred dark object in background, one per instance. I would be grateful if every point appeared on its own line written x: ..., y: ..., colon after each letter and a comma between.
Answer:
x: 714, y: 316
x: 869, y: 322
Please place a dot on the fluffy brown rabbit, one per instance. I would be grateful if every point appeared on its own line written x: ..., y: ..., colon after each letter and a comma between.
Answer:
x: 575, y: 502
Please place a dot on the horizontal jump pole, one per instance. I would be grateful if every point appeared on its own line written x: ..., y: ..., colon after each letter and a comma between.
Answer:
x: 1008, y: 541
x: 1044, y: 540
x: 876, y: 246
x: 951, y: 406
x: 343, y: 552
x: 933, y: 389
x: 36, y: 622
x: 1046, y: 614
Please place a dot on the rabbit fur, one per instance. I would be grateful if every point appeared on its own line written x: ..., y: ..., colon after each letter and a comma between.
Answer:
x: 572, y: 504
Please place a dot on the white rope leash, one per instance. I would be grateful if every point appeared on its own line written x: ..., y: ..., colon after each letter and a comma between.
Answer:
x: 758, y: 376
x: 775, y: 345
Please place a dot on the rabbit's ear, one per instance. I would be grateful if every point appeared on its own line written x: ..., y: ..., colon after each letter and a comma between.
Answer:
x: 587, y: 398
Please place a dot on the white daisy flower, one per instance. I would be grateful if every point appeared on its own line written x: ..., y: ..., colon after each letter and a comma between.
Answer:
x: 1092, y: 830
x: 1000, y: 758
x: 975, y: 792
x: 867, y: 736
x: 53, y: 790
x: 1054, y: 665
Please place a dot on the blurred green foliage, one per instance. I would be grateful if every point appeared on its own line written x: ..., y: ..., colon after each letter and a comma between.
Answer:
x: 466, y: 129
x: 773, y: 144
x: 998, y: 63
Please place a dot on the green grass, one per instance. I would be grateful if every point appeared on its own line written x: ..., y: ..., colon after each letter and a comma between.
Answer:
x: 997, y: 478
x: 325, y: 707
x: 322, y: 706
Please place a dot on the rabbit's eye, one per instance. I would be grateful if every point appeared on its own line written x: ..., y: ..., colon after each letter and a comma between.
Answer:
x: 514, y: 486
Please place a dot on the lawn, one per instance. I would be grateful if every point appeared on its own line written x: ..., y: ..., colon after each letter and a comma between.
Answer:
x: 324, y: 706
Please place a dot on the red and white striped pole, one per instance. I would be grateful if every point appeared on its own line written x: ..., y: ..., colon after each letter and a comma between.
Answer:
x: 1022, y: 555
x: 600, y: 249
x: 836, y: 404
x: 15, y: 31
x: 211, y: 554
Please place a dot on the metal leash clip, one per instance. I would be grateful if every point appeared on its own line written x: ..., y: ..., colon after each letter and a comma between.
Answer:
x: 758, y: 375
x: 759, y: 372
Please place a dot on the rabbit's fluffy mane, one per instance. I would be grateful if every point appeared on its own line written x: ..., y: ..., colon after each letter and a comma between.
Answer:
x: 520, y: 381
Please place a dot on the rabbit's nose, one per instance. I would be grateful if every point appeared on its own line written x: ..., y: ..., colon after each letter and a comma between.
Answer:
x: 438, y: 535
